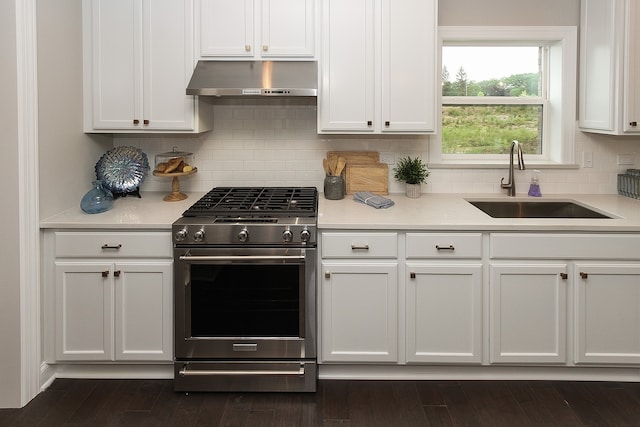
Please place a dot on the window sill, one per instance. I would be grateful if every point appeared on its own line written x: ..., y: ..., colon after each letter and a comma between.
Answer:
x: 500, y: 165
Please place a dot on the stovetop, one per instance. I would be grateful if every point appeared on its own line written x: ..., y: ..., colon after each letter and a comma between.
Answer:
x: 256, y: 201
x: 250, y: 216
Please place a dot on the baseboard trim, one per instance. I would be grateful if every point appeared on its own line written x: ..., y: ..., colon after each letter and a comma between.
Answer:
x: 441, y: 373
x: 108, y: 371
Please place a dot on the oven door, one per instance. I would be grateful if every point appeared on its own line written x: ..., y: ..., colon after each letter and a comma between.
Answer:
x: 244, y: 304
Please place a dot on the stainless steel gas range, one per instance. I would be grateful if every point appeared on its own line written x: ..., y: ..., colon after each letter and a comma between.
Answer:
x: 245, y: 291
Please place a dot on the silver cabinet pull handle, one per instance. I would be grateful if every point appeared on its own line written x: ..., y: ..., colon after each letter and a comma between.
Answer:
x: 445, y: 248
x: 107, y: 246
x: 359, y: 247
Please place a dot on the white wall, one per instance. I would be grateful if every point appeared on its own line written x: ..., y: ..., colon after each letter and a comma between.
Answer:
x: 274, y: 142
x: 509, y: 12
x: 67, y: 155
x: 10, y: 366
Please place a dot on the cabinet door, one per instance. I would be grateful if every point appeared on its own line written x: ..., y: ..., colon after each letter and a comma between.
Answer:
x: 631, y: 119
x: 226, y: 28
x: 288, y: 28
x: 528, y: 306
x: 609, y: 66
x: 409, y: 65
x: 143, y: 311
x: 84, y: 311
x: 115, y: 41
x: 444, y: 312
x: 359, y: 310
x: 607, y: 313
x: 347, y: 84
x: 167, y: 65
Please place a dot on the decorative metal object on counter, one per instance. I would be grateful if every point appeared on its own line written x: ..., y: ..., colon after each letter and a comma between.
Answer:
x: 97, y: 200
x: 629, y: 183
x: 174, y: 164
x: 122, y: 170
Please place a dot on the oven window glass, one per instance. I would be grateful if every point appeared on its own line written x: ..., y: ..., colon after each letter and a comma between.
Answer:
x: 242, y: 300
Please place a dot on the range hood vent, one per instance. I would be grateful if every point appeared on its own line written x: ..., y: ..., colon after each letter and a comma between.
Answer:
x: 254, y: 78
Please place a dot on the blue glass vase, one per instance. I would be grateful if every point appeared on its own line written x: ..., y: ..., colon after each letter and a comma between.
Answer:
x: 98, y: 199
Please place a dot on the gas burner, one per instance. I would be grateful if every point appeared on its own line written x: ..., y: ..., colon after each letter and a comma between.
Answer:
x: 246, y: 201
x: 250, y: 216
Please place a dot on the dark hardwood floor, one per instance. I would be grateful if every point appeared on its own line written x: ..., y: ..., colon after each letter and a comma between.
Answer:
x: 336, y: 403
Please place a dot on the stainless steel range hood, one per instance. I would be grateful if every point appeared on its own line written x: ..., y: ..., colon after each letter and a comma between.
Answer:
x: 254, y: 78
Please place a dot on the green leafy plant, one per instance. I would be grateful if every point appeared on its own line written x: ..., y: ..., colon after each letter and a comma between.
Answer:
x: 411, y: 171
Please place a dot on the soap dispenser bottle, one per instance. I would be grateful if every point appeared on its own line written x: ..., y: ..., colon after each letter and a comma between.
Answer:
x: 534, y: 187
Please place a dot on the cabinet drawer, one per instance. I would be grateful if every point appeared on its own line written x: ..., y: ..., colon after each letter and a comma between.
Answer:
x: 444, y: 245
x: 359, y: 245
x: 94, y: 244
x: 565, y: 246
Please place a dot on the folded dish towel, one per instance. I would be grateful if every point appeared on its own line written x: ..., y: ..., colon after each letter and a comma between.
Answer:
x: 374, y: 200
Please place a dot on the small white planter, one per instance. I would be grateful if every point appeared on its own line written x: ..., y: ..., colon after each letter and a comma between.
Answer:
x: 413, y: 190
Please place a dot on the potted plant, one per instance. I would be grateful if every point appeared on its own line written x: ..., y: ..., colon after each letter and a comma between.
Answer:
x: 413, y: 172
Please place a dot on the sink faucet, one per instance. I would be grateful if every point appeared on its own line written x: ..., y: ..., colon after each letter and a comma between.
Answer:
x: 511, y: 185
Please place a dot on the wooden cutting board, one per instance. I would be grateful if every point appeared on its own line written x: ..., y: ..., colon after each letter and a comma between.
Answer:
x: 372, y: 177
x: 355, y: 157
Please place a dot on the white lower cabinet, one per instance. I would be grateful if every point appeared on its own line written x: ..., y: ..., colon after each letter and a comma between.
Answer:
x: 607, y: 313
x: 544, y: 301
x: 359, y: 311
x: 528, y: 313
x: 359, y: 297
x: 113, y: 311
x: 555, y: 286
x: 444, y: 312
x: 112, y: 296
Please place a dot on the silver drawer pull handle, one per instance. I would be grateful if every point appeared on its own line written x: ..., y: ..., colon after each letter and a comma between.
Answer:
x: 107, y: 246
x: 245, y: 347
x: 188, y: 372
x: 359, y: 247
x: 445, y: 248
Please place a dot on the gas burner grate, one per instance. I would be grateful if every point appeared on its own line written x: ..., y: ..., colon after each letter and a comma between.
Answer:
x: 256, y: 201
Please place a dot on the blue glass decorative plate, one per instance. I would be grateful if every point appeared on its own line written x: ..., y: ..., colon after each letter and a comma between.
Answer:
x: 123, y: 169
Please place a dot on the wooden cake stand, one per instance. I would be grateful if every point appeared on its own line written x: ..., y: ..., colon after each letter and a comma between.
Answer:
x: 176, y: 195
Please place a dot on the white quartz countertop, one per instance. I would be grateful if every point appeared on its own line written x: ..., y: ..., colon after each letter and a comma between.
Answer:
x: 453, y: 212
x: 429, y: 212
x: 147, y: 212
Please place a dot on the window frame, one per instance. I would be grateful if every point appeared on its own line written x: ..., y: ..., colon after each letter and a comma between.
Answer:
x: 559, y: 110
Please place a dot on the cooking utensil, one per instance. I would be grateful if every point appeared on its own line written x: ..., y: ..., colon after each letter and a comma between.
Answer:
x: 333, y: 164
x: 325, y: 165
x: 340, y: 165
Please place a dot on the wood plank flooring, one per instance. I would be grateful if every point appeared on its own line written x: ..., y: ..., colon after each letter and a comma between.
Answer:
x: 336, y: 403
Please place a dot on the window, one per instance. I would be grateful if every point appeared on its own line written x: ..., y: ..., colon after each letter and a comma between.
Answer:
x: 505, y: 83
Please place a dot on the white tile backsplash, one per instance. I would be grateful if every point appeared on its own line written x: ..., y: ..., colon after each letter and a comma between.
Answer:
x: 273, y: 142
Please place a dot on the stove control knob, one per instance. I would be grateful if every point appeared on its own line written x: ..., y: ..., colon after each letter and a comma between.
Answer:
x: 198, y: 236
x: 287, y: 235
x: 181, y: 235
x: 243, y: 235
x: 305, y: 236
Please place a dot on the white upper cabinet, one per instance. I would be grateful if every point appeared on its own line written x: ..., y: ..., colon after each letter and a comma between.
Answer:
x: 138, y: 58
x: 255, y: 29
x: 379, y: 66
x: 610, y: 67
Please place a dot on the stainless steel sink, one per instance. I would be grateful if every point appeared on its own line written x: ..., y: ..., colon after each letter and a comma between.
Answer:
x: 535, y: 209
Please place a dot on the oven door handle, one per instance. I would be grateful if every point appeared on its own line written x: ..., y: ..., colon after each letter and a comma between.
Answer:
x: 189, y: 372
x: 242, y: 257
